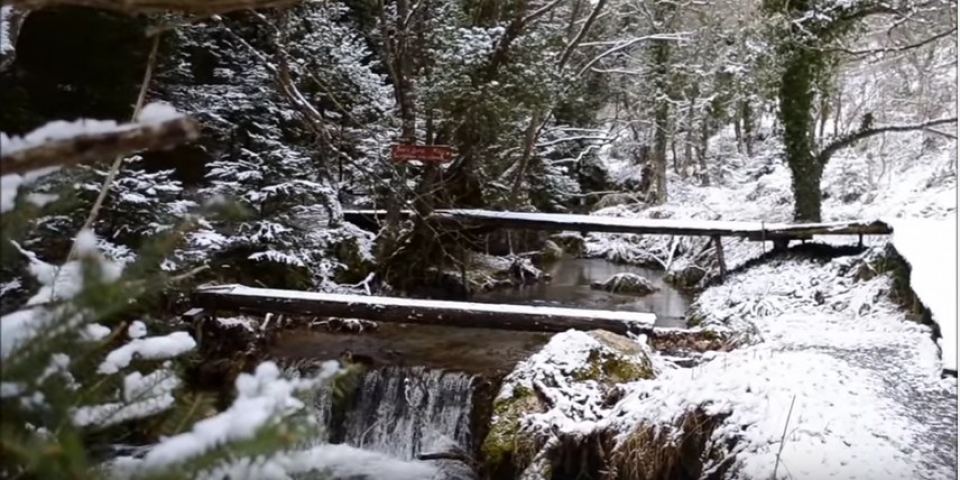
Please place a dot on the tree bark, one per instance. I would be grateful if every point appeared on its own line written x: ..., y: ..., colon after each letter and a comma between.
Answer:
x: 530, y: 139
x: 746, y: 115
x: 660, y: 58
x: 796, y: 105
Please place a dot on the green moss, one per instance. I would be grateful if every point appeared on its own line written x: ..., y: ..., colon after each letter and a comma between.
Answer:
x: 505, y: 448
x: 892, y: 264
x: 610, y: 368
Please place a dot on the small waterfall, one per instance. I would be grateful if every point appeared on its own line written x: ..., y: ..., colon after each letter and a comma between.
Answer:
x: 404, y: 411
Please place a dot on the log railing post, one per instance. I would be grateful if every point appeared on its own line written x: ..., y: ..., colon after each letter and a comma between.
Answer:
x: 723, y: 265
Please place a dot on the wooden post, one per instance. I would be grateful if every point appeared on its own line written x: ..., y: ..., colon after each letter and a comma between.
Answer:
x: 723, y: 264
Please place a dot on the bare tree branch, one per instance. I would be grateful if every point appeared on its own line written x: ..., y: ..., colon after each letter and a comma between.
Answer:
x: 629, y: 43
x: 872, y: 51
x: 854, y: 137
x: 581, y: 34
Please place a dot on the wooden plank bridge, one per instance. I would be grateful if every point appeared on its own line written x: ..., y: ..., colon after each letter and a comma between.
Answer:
x: 240, y: 298
x: 757, y: 231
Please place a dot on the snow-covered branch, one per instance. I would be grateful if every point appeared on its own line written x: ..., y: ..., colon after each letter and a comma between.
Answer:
x: 852, y: 138
x: 205, y: 7
x: 61, y: 143
x: 899, y: 48
x: 675, y: 37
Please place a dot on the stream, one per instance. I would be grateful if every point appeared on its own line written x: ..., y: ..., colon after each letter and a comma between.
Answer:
x: 569, y: 286
x: 428, y: 384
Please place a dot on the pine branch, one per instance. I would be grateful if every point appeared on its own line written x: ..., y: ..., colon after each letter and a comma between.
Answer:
x: 86, y: 148
x: 852, y: 138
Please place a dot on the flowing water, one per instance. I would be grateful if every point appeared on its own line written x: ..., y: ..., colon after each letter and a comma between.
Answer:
x: 404, y: 411
x: 569, y: 286
x: 420, y: 393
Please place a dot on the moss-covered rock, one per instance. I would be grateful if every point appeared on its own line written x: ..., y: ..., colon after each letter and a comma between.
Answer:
x: 505, y: 449
x: 622, y: 361
x: 357, y: 263
x: 584, y: 368
x: 572, y: 244
x: 629, y: 283
x: 686, y: 278
x: 551, y: 252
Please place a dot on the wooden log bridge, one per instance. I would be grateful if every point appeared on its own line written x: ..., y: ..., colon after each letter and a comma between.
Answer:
x: 415, y: 311
x: 757, y: 231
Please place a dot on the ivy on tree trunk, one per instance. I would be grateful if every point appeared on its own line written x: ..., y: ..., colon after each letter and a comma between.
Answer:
x: 796, y: 104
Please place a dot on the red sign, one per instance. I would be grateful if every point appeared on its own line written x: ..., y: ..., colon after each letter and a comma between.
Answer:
x: 425, y: 153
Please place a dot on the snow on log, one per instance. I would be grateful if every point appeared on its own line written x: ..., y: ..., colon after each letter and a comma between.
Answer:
x: 204, y: 7
x: 416, y: 311
x: 929, y: 246
x: 62, y: 143
x: 642, y: 226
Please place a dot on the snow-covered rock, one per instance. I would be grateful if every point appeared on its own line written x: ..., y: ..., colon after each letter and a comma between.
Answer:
x: 570, y: 381
x: 630, y: 283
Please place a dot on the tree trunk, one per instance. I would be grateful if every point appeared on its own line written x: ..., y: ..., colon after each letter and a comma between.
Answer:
x: 399, y: 61
x: 746, y: 114
x: 702, y: 145
x: 529, y: 141
x: 661, y: 56
x: 738, y: 131
x: 796, y: 106
x: 837, y: 109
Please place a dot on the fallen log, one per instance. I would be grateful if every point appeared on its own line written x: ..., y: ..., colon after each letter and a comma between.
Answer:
x: 415, y: 311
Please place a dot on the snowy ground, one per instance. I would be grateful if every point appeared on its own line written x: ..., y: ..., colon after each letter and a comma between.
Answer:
x: 865, y: 384
x: 899, y: 179
x: 834, y: 361
x: 836, y: 369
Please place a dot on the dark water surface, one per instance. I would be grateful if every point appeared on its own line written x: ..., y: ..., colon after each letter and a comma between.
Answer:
x: 570, y: 287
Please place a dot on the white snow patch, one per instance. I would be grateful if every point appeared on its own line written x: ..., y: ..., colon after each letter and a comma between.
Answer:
x: 94, y: 332
x: 18, y: 327
x: 6, y: 43
x: 10, y: 184
x: 158, y: 112
x: 930, y: 247
x: 152, y: 348
x: 137, y: 329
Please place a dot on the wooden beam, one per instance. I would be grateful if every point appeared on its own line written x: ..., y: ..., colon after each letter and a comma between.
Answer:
x: 757, y: 231
x: 416, y: 311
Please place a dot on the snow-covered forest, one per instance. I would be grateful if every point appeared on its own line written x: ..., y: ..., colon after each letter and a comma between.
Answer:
x: 654, y: 240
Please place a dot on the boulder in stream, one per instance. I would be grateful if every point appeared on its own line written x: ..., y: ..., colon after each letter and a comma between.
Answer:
x: 630, y: 283
x: 573, y: 377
